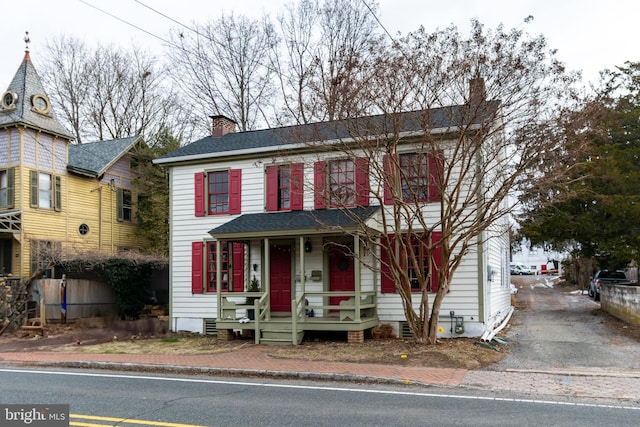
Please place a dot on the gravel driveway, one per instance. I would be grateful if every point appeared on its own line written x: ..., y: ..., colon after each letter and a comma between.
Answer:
x: 556, y: 327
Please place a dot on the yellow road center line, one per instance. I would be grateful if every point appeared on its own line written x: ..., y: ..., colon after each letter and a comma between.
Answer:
x: 123, y: 420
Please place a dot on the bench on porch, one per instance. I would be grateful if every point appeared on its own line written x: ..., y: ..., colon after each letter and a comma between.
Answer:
x: 229, y: 310
x: 348, y: 308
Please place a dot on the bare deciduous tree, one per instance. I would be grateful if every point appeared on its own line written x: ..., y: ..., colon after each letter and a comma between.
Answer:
x: 494, y: 109
x: 322, y: 71
x: 224, y: 67
x: 108, y: 92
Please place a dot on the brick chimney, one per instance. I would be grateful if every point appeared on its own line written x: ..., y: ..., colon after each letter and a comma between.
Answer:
x: 221, y: 125
x: 477, y: 91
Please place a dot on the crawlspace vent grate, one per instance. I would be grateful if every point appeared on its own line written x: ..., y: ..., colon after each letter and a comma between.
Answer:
x: 405, y: 331
x: 210, y: 327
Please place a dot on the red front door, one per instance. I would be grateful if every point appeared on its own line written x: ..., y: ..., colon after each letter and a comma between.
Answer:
x: 280, y: 278
x: 341, y: 272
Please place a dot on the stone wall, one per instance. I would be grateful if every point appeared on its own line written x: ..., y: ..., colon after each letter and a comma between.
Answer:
x: 622, y: 302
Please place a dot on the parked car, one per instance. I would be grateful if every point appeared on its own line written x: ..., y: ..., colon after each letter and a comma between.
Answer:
x: 515, y: 268
x: 606, y: 276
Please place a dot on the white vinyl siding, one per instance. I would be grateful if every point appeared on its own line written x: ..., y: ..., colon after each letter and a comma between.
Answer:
x: 468, y: 288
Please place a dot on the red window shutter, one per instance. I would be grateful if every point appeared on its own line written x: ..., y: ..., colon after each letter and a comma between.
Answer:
x: 297, y: 187
x: 196, y: 267
x: 199, y: 194
x: 387, y: 284
x: 235, y: 185
x: 389, y: 179
x: 272, y: 188
x: 320, y: 185
x: 436, y: 166
x: 437, y: 259
x: 238, y: 266
x: 362, y: 181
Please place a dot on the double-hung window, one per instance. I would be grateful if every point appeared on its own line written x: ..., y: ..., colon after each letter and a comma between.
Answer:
x: 341, y: 183
x: 205, y: 267
x: 6, y: 188
x: 46, y: 191
x: 417, y: 177
x: 418, y: 254
x: 217, y: 192
x: 124, y: 205
x: 284, y: 189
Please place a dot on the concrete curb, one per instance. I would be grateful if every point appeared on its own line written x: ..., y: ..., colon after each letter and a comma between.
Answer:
x: 577, y: 373
x: 229, y: 372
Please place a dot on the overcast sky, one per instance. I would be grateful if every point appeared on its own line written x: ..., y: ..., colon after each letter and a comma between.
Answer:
x: 589, y: 35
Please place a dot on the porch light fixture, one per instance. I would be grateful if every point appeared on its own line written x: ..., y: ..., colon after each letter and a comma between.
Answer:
x: 307, y: 245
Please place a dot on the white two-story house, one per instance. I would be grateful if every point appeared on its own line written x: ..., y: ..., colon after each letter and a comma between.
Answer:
x: 292, y: 210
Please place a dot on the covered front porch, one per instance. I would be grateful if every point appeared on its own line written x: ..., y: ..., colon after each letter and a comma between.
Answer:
x: 311, y: 272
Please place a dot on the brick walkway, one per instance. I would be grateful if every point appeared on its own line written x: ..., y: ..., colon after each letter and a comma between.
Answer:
x: 254, y: 360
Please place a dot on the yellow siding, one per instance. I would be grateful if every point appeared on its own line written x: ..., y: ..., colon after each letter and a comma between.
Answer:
x: 85, y: 200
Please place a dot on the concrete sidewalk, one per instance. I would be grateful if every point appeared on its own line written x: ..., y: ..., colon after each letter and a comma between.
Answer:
x: 255, y: 361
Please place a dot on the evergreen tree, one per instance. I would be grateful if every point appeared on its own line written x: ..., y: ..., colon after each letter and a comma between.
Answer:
x: 598, y: 214
x: 153, y: 204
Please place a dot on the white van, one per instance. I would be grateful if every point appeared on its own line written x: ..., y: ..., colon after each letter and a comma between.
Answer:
x: 517, y: 268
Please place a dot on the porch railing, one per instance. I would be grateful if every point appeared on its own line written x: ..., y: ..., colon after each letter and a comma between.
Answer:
x: 357, y: 307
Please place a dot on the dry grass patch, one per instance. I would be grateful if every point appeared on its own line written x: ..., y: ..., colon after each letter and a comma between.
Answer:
x: 167, y: 345
x: 459, y: 353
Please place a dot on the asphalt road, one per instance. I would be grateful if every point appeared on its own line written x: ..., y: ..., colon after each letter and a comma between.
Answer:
x: 556, y: 328
x: 103, y: 398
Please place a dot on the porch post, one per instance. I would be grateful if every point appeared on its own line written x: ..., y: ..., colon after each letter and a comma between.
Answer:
x: 218, y: 276
x: 302, y: 270
x: 267, y: 275
x: 356, y: 274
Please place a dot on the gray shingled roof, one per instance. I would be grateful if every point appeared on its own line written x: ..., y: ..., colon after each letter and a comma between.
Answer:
x: 26, y: 83
x: 283, y: 223
x: 94, y: 158
x: 278, y: 138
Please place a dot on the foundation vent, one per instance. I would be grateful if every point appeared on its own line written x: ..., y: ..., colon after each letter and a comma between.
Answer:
x: 210, y: 327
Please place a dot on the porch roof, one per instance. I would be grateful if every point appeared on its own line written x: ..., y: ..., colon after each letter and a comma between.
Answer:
x: 270, y: 224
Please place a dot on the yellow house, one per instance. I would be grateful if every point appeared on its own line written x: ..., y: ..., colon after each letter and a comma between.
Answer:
x: 58, y: 198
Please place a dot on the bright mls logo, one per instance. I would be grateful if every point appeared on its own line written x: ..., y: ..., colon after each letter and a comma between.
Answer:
x: 34, y: 415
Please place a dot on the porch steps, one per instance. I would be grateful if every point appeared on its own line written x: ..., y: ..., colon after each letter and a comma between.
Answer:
x: 278, y: 333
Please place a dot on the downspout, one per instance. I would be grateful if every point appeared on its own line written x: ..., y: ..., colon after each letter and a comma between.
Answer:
x: 490, y: 332
x: 481, y: 279
x: 480, y: 243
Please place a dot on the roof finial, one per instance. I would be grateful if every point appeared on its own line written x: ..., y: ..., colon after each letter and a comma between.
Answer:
x: 27, y: 40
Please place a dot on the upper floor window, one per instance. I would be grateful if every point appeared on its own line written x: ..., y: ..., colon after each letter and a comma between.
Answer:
x: 284, y: 187
x: 218, y: 192
x: 220, y: 195
x: 419, y: 177
x: 46, y: 191
x: 341, y: 183
x: 6, y: 188
x: 124, y: 205
x: 133, y: 163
